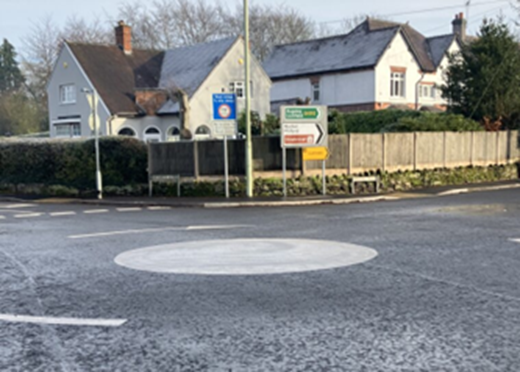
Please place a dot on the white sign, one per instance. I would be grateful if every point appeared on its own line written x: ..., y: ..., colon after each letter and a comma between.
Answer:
x: 303, y: 135
x: 225, y: 128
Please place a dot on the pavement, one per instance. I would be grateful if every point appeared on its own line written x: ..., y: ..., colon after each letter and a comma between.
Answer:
x: 206, y: 202
x: 435, y: 287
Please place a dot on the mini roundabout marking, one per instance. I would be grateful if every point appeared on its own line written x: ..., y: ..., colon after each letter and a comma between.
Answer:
x: 245, y: 256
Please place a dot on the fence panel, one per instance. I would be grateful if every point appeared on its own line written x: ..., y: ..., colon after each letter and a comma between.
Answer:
x: 399, y: 151
x: 171, y: 158
x: 458, y: 149
x: 430, y: 150
x: 367, y: 152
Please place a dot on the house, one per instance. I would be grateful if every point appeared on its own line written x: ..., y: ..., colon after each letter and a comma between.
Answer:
x: 377, y: 65
x: 148, y: 94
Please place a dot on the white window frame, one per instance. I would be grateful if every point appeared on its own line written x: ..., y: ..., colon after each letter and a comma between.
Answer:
x: 173, y: 137
x: 123, y: 128
x: 71, y: 124
x: 67, y: 94
x: 427, y: 91
x: 152, y: 137
x: 239, y: 89
x: 315, y: 91
x: 397, y: 84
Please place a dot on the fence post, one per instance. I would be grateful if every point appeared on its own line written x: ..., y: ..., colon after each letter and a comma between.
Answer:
x: 414, y: 151
x: 444, y: 155
x: 471, y: 149
x: 383, y: 143
x: 196, y: 159
x: 497, y: 152
x: 150, y: 181
x: 349, y: 154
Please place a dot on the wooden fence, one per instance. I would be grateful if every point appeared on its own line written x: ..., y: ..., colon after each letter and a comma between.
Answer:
x: 350, y: 153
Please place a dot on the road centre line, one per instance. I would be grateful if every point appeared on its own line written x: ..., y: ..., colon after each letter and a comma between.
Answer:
x: 62, y: 321
x: 96, y: 211
x: 14, y: 206
x: 28, y: 215
x: 133, y: 209
x: 139, y: 231
x: 2, y: 217
x: 58, y: 214
x: 158, y: 208
x: 515, y: 240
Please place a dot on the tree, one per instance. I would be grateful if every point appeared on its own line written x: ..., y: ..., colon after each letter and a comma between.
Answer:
x: 483, y: 79
x: 11, y: 78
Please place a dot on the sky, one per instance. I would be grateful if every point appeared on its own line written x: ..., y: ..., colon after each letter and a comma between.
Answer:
x: 18, y: 16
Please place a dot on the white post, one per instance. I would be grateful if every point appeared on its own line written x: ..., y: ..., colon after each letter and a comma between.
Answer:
x: 99, y: 180
x: 226, y: 167
x: 249, y: 144
x: 284, y: 166
x: 323, y: 179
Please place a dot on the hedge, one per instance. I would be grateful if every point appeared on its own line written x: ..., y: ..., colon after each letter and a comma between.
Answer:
x: 71, y: 163
x: 393, y: 120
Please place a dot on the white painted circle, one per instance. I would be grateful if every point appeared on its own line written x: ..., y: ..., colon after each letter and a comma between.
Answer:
x: 245, y: 256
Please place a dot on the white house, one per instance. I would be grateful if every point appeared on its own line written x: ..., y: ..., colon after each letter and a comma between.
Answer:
x: 378, y: 65
x: 142, y: 93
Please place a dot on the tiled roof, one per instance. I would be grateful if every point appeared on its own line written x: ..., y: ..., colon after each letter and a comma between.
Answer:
x: 116, y: 75
x: 439, y: 45
x: 361, y: 48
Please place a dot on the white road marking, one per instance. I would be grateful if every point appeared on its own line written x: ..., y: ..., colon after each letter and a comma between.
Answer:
x: 96, y: 211
x: 2, y: 217
x: 14, y: 206
x: 62, y: 321
x: 58, y: 214
x: 139, y: 231
x: 453, y: 192
x: 158, y: 208
x: 134, y: 209
x: 515, y: 240
x: 28, y: 215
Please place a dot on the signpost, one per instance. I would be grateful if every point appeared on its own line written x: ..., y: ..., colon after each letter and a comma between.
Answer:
x: 225, y: 116
x: 304, y: 127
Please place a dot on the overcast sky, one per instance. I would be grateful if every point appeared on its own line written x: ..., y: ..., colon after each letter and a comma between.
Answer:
x: 17, y: 16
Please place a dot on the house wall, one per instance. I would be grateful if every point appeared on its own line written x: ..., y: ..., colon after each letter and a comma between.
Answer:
x: 398, y: 55
x: 67, y: 71
x: 140, y: 124
x: 340, y: 89
x: 230, y: 69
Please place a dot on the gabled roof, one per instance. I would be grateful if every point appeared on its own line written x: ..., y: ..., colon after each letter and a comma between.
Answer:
x: 439, y: 45
x: 360, y: 49
x: 188, y: 67
x: 115, y: 75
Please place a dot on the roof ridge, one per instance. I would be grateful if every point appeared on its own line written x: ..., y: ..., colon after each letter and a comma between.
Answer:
x: 439, y: 36
x: 79, y: 43
x: 229, y: 38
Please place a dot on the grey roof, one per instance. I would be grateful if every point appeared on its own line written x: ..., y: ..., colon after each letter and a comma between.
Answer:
x: 170, y: 107
x: 439, y: 46
x: 338, y: 53
x: 188, y: 67
x: 359, y: 49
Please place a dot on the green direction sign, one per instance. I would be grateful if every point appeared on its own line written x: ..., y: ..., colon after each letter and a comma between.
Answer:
x: 302, y: 113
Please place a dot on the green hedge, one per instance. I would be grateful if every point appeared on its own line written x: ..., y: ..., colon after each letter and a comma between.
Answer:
x: 71, y: 163
x: 393, y: 120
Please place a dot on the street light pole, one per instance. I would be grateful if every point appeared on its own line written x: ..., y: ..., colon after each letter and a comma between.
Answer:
x: 249, y: 144
x: 93, y: 110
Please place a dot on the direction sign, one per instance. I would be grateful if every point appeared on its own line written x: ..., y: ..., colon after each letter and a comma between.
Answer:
x: 224, y: 106
x: 315, y: 153
x: 225, y: 128
x: 304, y: 126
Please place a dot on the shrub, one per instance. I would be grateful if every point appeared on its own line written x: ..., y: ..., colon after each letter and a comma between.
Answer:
x: 431, y: 122
x: 71, y: 163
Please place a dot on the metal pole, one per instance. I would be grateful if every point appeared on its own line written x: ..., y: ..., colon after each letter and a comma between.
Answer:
x: 226, y: 166
x: 284, y: 166
x: 323, y: 180
x: 99, y: 181
x: 249, y: 144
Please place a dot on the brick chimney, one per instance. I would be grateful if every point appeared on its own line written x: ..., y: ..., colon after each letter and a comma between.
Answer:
x: 459, y: 26
x: 124, y: 37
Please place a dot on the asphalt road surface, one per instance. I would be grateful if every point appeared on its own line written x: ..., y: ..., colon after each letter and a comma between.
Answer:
x: 433, y: 285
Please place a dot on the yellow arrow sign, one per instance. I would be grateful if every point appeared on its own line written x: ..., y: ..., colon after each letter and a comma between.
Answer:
x: 315, y: 153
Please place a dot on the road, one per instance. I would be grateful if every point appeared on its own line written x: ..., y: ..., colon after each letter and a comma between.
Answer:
x: 442, y: 294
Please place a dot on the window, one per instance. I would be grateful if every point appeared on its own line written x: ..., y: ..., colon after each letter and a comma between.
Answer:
x: 68, y: 130
x: 67, y: 94
x: 202, y: 132
x: 315, y: 92
x: 427, y: 91
x: 127, y: 132
x: 238, y: 88
x: 173, y: 134
x: 152, y: 134
x: 397, y: 81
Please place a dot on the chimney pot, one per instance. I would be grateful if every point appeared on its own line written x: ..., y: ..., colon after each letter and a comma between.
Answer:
x: 459, y: 26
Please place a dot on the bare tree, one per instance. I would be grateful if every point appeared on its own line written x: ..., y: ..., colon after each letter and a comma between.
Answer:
x: 343, y: 26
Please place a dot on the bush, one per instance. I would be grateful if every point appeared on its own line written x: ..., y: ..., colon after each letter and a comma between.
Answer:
x: 392, y: 120
x: 71, y: 163
x: 430, y: 122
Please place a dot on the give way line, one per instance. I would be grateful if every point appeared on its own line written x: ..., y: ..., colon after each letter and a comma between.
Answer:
x: 62, y: 321
x: 139, y: 231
